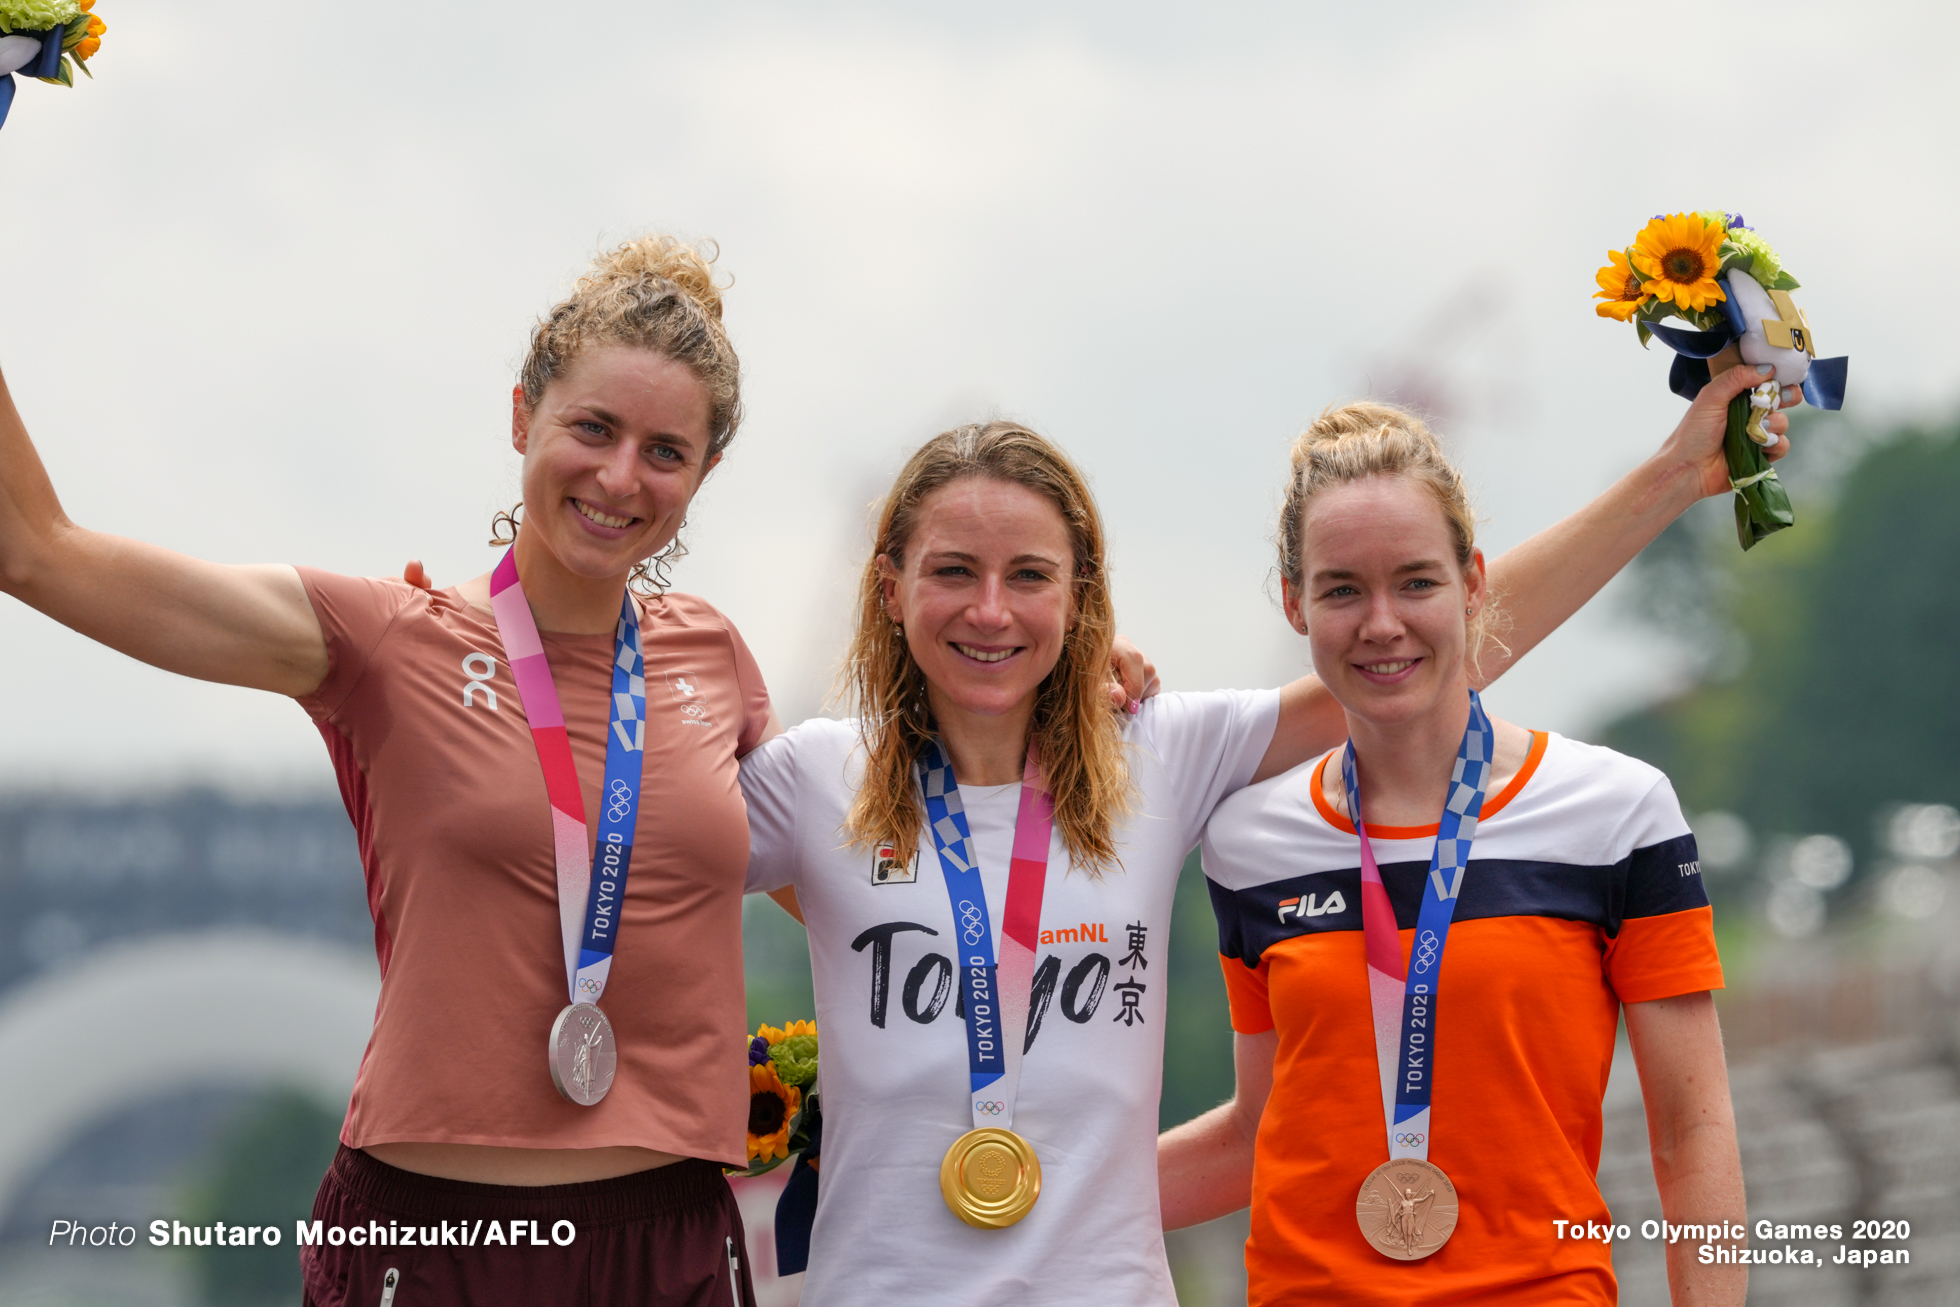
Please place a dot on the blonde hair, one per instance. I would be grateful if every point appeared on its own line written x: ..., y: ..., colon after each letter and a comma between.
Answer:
x: 656, y: 293
x: 1074, y: 728
x: 1356, y: 441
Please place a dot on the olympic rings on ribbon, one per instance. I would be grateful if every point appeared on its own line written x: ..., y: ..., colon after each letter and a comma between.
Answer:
x: 1407, y: 1140
x: 1426, y: 951
x: 620, y: 800
x: 969, y: 921
x: 588, y: 986
x: 990, y: 1108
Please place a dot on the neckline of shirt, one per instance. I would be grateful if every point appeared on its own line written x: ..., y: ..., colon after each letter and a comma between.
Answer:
x: 1490, y: 809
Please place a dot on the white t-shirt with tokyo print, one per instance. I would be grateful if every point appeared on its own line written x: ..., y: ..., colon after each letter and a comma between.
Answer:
x: 894, y: 1060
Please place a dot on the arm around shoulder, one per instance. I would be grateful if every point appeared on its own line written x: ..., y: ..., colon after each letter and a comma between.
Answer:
x: 1204, y: 1167
x: 240, y: 625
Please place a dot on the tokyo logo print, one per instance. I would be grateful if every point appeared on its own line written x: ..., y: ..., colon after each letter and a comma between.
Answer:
x: 1075, y: 987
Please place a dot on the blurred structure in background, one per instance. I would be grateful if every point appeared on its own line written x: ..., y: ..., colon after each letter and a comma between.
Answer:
x: 186, y: 986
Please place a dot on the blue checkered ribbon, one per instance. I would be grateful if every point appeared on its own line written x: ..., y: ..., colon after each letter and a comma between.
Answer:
x: 1456, y: 829
x: 972, y: 927
x: 619, y: 805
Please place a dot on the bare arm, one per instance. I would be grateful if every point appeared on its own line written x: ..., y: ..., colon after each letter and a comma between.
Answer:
x: 1552, y: 575
x: 1204, y: 1167
x: 247, y: 625
x: 1677, y: 1046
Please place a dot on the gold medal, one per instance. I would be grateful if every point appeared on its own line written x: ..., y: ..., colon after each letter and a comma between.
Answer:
x: 1407, y: 1208
x: 991, y: 1178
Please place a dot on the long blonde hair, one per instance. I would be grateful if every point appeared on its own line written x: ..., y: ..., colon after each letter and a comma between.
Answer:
x: 1366, y: 439
x: 1074, y: 728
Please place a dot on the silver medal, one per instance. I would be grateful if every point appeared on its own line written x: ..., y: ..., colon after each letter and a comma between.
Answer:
x: 583, y: 1054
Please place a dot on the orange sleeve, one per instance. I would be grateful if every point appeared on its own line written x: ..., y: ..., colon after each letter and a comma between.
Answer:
x: 1245, y: 990
x: 1666, y: 955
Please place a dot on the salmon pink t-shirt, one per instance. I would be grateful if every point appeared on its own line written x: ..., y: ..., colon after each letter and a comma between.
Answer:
x: 439, y: 773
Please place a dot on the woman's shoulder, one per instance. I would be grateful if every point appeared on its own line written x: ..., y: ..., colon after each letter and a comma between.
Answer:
x: 674, y: 609
x: 1569, y: 763
x: 1598, y: 795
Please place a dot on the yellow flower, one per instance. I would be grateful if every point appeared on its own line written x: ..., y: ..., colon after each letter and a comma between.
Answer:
x: 96, y: 27
x: 772, y: 1106
x: 85, y: 5
x: 775, y: 1035
x: 1620, y: 287
x: 1680, y: 255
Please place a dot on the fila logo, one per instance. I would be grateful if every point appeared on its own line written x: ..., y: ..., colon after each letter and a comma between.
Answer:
x: 886, y: 869
x: 481, y: 668
x: 1307, y: 907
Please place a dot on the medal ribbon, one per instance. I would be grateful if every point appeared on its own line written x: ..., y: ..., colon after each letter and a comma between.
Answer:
x: 996, y: 994
x: 1404, y: 1001
x: 588, y: 901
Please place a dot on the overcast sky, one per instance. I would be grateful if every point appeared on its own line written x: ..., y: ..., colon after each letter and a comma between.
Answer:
x: 268, y: 277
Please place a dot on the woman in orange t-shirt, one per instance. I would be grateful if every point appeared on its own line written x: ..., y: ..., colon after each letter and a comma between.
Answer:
x: 462, y: 1149
x: 1425, y: 1013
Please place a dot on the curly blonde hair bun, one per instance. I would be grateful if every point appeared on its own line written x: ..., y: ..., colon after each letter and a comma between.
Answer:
x: 656, y: 293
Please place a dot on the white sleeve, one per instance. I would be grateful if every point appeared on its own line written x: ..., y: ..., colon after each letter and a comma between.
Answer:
x: 1210, y: 744
x: 769, y: 785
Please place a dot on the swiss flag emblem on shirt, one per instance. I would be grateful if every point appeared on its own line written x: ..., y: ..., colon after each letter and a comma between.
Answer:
x: 685, y: 686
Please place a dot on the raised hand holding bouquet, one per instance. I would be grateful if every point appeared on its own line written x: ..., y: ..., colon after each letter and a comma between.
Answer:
x: 45, y: 39
x: 1713, y: 272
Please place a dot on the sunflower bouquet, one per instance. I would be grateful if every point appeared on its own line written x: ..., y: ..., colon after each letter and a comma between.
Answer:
x: 782, y: 1094
x: 1712, y: 272
x: 46, y: 39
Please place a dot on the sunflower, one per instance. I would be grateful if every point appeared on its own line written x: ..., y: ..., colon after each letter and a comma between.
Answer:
x: 1680, y: 255
x: 776, y: 1035
x: 1620, y: 286
x: 772, y: 1106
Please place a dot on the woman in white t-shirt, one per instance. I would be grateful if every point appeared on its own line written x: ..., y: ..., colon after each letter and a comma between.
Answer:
x: 984, y: 624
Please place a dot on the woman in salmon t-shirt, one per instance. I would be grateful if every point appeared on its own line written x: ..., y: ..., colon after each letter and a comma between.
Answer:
x: 488, y: 1108
x: 1426, y: 1017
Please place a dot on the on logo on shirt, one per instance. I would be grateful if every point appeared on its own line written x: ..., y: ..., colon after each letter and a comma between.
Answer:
x: 481, y: 668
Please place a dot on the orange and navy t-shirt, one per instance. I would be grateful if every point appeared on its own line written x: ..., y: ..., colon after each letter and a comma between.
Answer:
x: 1583, y: 892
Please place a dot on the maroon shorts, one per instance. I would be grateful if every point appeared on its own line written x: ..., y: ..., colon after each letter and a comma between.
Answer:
x: 672, y: 1235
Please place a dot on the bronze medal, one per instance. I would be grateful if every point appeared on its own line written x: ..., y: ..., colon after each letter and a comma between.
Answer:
x: 1406, y: 1208
x: 991, y: 1178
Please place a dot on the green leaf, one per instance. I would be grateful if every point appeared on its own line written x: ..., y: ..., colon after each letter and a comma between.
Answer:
x: 1784, y: 281
x: 1645, y: 334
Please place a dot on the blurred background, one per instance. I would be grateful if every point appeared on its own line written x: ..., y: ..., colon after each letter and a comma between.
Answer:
x: 269, y: 276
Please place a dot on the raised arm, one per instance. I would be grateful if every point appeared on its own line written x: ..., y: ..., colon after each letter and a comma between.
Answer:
x: 1204, y: 1167
x: 250, y: 626
x: 1552, y: 575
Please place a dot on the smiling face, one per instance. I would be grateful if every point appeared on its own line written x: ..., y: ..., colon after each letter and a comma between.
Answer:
x: 613, y: 452
x: 1382, y: 599
x: 985, y: 594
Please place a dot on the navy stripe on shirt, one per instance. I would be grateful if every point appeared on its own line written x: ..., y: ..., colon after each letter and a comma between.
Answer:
x: 1649, y: 882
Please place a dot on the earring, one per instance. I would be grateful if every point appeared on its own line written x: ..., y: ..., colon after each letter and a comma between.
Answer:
x: 1466, y: 612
